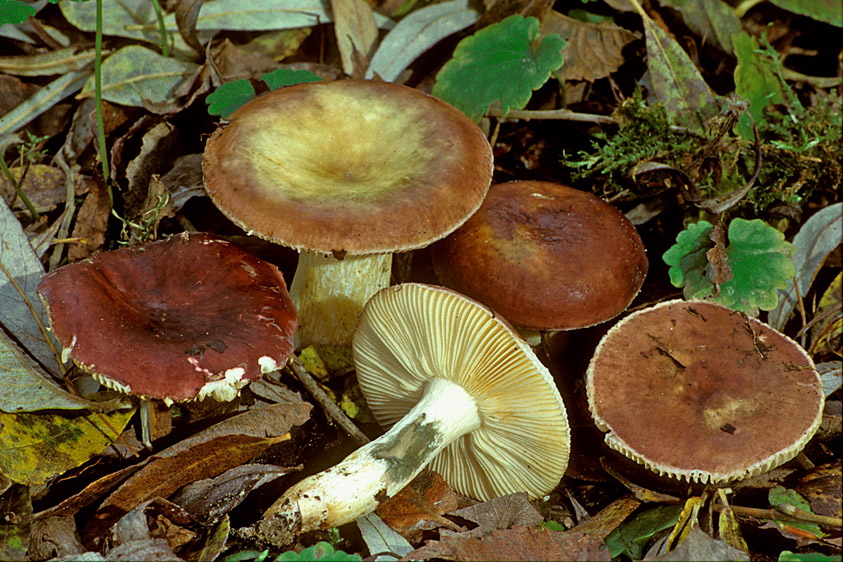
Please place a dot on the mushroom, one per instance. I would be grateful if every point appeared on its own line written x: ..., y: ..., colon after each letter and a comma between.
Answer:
x: 696, y: 391
x: 182, y: 319
x: 346, y: 172
x: 545, y: 256
x: 464, y: 395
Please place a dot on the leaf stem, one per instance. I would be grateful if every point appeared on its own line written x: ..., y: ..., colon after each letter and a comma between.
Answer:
x: 165, y: 47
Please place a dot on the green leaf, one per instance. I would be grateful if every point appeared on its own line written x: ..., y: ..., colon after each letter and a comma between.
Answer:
x: 631, y: 536
x: 755, y: 81
x: 226, y: 99
x: 14, y: 12
x: 281, y: 77
x: 779, y: 495
x: 788, y: 556
x: 761, y: 264
x: 322, y: 551
x: 757, y: 255
x: 37, y: 447
x: 828, y: 11
x: 139, y: 77
x: 676, y: 81
x: 687, y: 260
x: 503, y: 62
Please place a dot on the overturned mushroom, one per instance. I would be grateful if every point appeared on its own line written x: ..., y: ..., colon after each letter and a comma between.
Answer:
x: 346, y: 172
x: 696, y: 391
x: 464, y: 395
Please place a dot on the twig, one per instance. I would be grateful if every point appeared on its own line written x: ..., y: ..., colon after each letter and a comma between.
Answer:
x: 331, y: 410
x: 562, y: 114
x: 782, y: 512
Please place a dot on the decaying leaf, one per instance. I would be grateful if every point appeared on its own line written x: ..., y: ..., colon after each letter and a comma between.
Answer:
x: 34, y: 447
x: 594, y: 50
x: 676, y: 81
x: 420, y: 506
x: 518, y: 543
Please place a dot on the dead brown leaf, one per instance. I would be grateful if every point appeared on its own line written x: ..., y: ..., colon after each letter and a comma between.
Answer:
x: 607, y: 519
x: 595, y: 50
x: 91, y: 222
x: 419, y: 506
x: 518, y: 543
x: 500, y: 513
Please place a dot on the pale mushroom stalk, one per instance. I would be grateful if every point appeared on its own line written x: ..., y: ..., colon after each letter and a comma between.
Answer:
x: 353, y: 487
x: 461, y: 393
x: 329, y: 294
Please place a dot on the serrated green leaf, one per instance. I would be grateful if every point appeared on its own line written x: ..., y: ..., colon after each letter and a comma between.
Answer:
x: 761, y: 264
x: 677, y: 83
x: 687, y: 260
x: 758, y: 257
x: 503, y: 63
x: 282, y: 77
x: 14, y: 12
x: 226, y: 99
x: 755, y: 81
x: 828, y: 11
x: 139, y: 77
x: 37, y: 447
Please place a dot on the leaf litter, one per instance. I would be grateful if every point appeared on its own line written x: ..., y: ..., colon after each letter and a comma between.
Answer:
x: 74, y: 491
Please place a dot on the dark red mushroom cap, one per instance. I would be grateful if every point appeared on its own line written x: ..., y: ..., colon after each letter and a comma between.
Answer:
x: 545, y: 256
x: 180, y: 319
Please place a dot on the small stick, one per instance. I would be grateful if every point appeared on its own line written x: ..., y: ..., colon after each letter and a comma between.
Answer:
x: 331, y: 410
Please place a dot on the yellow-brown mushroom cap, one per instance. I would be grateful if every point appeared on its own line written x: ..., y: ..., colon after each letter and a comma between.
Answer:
x: 348, y: 167
x: 695, y: 390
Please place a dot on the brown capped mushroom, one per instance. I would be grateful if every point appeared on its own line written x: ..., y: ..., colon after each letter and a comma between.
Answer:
x: 545, y: 256
x: 696, y: 391
x: 182, y: 319
x: 346, y: 172
x: 463, y: 394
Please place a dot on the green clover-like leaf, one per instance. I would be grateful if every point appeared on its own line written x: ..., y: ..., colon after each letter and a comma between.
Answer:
x: 503, y: 62
x: 226, y: 99
x: 321, y: 551
x: 758, y: 257
x: 281, y: 77
x: 15, y: 12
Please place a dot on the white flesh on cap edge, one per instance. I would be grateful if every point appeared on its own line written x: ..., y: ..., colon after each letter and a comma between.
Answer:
x: 329, y: 294
x: 377, y: 470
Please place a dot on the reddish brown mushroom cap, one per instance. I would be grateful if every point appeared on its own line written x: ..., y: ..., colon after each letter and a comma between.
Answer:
x: 180, y: 319
x: 545, y: 256
x: 348, y: 167
x: 697, y: 391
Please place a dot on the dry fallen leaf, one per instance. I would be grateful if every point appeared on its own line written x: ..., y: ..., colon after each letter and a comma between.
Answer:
x: 420, y: 505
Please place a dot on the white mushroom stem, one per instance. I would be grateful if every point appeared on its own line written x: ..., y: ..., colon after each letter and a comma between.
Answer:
x: 378, y: 470
x: 329, y: 294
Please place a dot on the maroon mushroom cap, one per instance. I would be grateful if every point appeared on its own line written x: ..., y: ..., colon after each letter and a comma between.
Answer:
x: 698, y: 391
x: 545, y: 256
x: 180, y: 319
